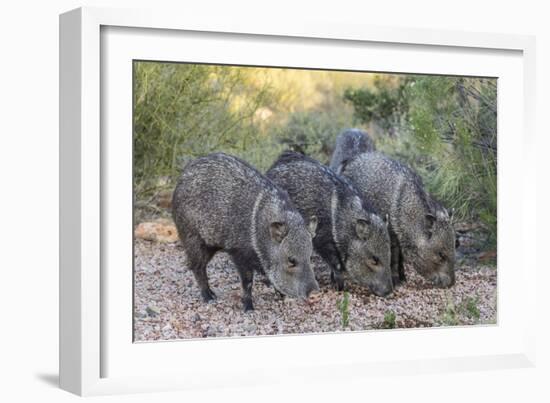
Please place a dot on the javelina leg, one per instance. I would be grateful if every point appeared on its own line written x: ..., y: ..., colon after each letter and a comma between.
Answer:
x: 330, y: 256
x: 267, y: 281
x: 337, y: 279
x: 246, y: 281
x: 395, y: 253
x: 264, y: 279
x: 401, y: 267
x: 199, y: 255
x: 245, y: 265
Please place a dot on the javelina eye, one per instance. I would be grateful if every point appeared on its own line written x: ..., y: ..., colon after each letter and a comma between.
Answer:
x: 292, y: 262
x: 442, y: 256
x: 374, y: 261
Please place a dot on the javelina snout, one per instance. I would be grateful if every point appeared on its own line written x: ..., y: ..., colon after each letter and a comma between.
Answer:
x: 297, y: 286
x: 377, y: 279
x: 314, y: 287
x: 311, y: 287
x: 368, y: 262
x: 436, y: 252
x: 382, y: 289
x: 443, y: 279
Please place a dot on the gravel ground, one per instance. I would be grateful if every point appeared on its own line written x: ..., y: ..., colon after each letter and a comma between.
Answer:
x: 167, y: 303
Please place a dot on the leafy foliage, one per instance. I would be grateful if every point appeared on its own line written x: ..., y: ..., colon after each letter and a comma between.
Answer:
x: 389, y: 320
x: 343, y: 307
x: 471, y: 307
x: 466, y: 308
x: 384, y: 103
x: 310, y: 133
x: 450, y: 315
x: 183, y: 111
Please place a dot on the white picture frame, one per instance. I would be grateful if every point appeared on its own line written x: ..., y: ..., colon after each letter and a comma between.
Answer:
x: 96, y: 355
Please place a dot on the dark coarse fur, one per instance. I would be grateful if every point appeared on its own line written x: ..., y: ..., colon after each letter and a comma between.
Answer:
x: 350, y: 237
x: 223, y: 204
x: 349, y: 143
x: 420, y: 228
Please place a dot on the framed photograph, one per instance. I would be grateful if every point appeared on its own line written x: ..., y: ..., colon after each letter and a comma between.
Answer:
x: 238, y: 197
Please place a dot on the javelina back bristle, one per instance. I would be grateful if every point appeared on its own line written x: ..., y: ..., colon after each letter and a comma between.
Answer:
x: 349, y: 143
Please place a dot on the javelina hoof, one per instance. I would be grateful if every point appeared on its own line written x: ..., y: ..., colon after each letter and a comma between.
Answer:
x: 247, y: 304
x: 279, y: 294
x: 338, y: 285
x: 208, y: 295
x: 337, y: 281
x: 396, y: 280
x: 402, y: 277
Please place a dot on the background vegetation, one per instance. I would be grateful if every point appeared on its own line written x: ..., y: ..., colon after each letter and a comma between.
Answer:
x: 444, y: 127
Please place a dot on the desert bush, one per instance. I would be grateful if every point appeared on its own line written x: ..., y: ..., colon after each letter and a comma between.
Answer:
x: 311, y: 133
x: 183, y: 111
x: 389, y: 320
x: 343, y: 308
x: 383, y: 103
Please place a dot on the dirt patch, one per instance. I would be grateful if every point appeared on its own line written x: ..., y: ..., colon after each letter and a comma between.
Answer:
x: 167, y: 303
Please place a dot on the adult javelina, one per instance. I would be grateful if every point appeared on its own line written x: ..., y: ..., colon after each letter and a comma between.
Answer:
x: 223, y: 204
x: 421, y: 231
x: 350, y: 237
x: 349, y: 143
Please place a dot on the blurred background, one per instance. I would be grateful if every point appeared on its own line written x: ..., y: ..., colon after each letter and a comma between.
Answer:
x: 444, y: 127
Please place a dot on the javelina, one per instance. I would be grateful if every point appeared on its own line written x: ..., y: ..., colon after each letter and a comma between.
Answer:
x: 421, y: 231
x: 350, y: 236
x: 223, y: 204
x: 350, y: 143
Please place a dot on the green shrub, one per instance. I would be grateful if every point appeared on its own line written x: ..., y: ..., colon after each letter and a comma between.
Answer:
x: 383, y: 104
x: 454, y: 315
x: 450, y: 315
x: 471, y: 307
x: 343, y: 307
x: 183, y: 111
x: 389, y: 320
x: 312, y: 133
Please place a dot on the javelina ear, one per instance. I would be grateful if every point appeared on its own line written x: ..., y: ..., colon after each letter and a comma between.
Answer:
x: 431, y: 220
x: 361, y: 227
x: 312, y: 225
x: 340, y: 168
x: 443, y: 215
x: 451, y: 213
x: 386, y: 219
x: 278, y: 231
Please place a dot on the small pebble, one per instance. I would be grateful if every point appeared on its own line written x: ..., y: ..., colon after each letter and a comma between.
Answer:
x: 153, y: 310
x: 141, y: 314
